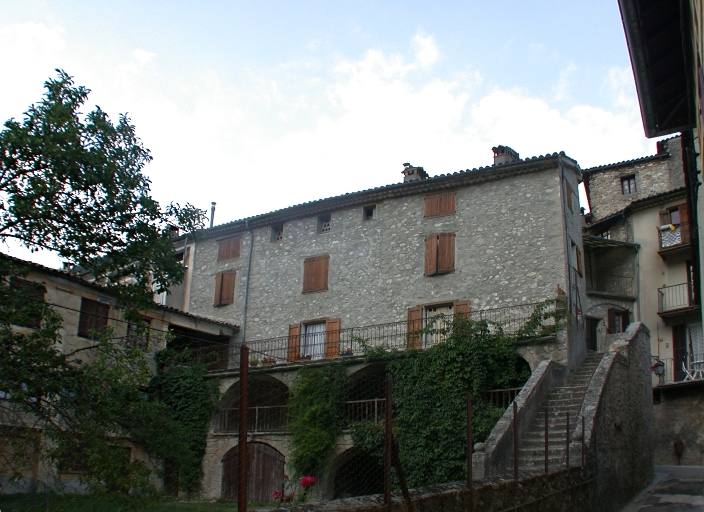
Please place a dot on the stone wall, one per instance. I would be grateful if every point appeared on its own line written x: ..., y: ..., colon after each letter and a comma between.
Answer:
x: 618, y: 412
x: 510, y: 249
x: 679, y: 416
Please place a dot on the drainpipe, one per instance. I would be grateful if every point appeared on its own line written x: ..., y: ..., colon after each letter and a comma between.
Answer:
x: 246, y: 288
x: 568, y: 251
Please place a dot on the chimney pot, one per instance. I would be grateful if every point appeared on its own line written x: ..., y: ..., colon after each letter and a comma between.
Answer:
x: 504, y: 155
x: 411, y: 173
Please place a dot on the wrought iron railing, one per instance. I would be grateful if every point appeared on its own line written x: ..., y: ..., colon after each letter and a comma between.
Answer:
x: 611, y: 284
x: 676, y: 297
x: 672, y: 235
x: 274, y: 418
x: 357, y: 341
x: 502, y: 397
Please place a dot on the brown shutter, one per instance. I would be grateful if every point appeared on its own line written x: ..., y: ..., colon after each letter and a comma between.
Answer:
x: 431, y: 255
x: 94, y: 316
x: 664, y: 217
x: 294, y: 342
x: 415, y: 323
x: 218, y: 290
x: 684, y: 223
x: 578, y: 253
x: 229, y: 248
x: 332, y: 338
x: 439, y: 205
x: 461, y: 308
x: 315, y: 274
x: 227, y: 292
x: 432, y: 206
x: 611, y: 321
x: 446, y: 253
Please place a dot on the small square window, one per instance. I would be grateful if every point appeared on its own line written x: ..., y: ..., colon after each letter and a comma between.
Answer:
x: 628, y: 184
x: 369, y: 212
x: 605, y: 234
x: 277, y: 232
x: 324, y: 223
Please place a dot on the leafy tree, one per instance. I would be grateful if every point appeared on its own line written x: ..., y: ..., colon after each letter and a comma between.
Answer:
x: 73, y: 184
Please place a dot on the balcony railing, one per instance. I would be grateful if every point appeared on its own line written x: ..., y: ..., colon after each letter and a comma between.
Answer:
x: 621, y: 286
x: 673, y: 235
x: 274, y: 418
x: 357, y: 341
x: 502, y: 398
x: 675, y: 297
x: 674, y: 371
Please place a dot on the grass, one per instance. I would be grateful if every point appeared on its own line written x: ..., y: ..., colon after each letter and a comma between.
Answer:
x: 81, y: 503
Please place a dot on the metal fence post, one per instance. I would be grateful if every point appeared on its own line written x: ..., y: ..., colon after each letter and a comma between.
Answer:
x: 583, y: 441
x: 567, y: 440
x: 242, y: 433
x: 546, y: 440
x: 469, y: 440
x: 388, y: 444
x: 515, y: 440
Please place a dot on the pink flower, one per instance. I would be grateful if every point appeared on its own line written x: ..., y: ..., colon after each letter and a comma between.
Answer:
x: 308, y: 481
x: 277, y: 495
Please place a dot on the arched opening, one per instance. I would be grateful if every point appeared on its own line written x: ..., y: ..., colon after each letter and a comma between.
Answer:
x: 265, y: 473
x: 267, y: 409
x: 358, y: 474
x: 366, y: 399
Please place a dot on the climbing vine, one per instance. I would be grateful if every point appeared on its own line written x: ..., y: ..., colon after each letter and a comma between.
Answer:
x: 188, y: 402
x: 315, y: 415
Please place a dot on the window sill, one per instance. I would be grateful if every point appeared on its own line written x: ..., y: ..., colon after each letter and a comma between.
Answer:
x: 306, y: 292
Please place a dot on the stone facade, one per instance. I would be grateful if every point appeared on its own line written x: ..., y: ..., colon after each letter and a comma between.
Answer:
x: 678, y: 417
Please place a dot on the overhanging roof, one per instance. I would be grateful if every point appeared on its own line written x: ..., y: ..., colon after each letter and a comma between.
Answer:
x: 657, y: 33
x: 596, y: 242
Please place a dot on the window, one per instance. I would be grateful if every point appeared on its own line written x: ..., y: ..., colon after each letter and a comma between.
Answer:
x: 277, y: 232
x: 628, y: 184
x: 29, y: 314
x: 369, y: 212
x: 183, y: 256
x: 605, y: 234
x: 138, y: 333
x: 93, y: 319
x: 229, y: 248
x: 440, y: 205
x: 316, y: 339
x: 418, y: 317
x: 225, y: 288
x: 315, y: 274
x: 324, y: 223
x: 440, y: 254
x: 674, y: 225
x: 617, y: 320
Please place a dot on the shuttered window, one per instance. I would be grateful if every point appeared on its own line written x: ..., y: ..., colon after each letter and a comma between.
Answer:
x: 461, y: 308
x: 93, y: 319
x: 440, y: 254
x: 225, y: 288
x: 440, y: 205
x: 229, y: 248
x: 315, y: 274
x: 28, y: 307
x: 415, y: 324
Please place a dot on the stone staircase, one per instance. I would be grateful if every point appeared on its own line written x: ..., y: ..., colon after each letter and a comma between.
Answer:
x: 561, y: 400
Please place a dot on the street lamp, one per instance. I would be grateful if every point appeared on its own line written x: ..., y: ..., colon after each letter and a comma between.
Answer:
x: 658, y: 368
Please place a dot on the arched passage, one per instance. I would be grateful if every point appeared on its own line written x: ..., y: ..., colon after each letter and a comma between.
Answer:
x: 265, y: 473
x: 267, y: 400
x: 358, y: 474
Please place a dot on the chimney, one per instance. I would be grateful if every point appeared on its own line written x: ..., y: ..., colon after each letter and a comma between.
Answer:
x: 504, y: 155
x: 411, y: 173
x: 212, y: 213
x: 174, y: 231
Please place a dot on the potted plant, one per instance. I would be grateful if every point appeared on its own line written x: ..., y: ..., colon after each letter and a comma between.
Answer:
x: 347, y: 352
x: 254, y: 361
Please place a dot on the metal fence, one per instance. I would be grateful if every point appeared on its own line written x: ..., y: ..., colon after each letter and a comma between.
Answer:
x: 674, y: 235
x: 675, y: 297
x: 621, y: 286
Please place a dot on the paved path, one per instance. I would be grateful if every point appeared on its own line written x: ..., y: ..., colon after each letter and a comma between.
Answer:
x: 674, y: 489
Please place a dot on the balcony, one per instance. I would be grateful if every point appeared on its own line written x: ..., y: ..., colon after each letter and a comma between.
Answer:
x: 610, y: 285
x: 676, y: 300
x: 674, y: 239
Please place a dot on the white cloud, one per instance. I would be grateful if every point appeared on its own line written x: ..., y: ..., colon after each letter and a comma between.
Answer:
x: 561, y: 90
x: 426, y: 51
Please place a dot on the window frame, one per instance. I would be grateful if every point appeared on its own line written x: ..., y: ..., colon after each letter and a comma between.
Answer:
x: 369, y: 212
x: 433, y: 205
x: 85, y: 326
x: 628, y: 182
x: 277, y: 233
x: 437, y: 257
x: 224, y: 291
x: 318, y: 283
x: 36, y: 290
x: 321, y: 222
x: 229, y: 248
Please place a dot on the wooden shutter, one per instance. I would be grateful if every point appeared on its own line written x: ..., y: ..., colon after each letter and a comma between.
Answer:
x: 93, y: 317
x: 431, y: 255
x: 332, y: 338
x: 227, y: 293
x: 294, y: 342
x: 611, y: 321
x: 218, y: 290
x: 31, y: 313
x: 229, y: 248
x: 684, y: 223
x: 446, y: 253
x: 461, y: 308
x: 440, y: 205
x: 415, y: 323
x: 315, y: 274
x: 664, y: 217
x: 578, y: 253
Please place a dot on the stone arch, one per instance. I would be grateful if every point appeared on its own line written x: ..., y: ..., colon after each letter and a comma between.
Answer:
x: 267, y: 399
x: 266, y: 472
x: 356, y: 473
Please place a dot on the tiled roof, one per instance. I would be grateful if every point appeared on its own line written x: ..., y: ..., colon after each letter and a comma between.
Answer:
x: 637, y: 204
x: 436, y: 183
x: 95, y: 286
x: 626, y: 163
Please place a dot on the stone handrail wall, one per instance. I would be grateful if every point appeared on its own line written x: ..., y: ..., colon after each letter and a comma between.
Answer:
x: 493, y: 456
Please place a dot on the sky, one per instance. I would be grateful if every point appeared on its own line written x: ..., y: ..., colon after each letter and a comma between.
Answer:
x: 262, y: 105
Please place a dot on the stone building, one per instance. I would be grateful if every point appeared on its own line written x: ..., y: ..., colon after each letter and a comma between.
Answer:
x: 305, y: 281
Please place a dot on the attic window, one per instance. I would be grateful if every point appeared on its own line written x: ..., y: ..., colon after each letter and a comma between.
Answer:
x: 628, y: 184
x: 369, y: 212
x: 277, y: 232
x: 324, y: 223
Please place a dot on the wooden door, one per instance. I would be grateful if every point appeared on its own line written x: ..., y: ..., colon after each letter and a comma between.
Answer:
x: 679, y: 349
x: 265, y: 473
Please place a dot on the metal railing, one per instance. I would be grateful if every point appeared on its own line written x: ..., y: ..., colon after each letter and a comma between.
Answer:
x: 676, y: 297
x: 611, y: 284
x: 674, y: 372
x: 670, y: 237
x: 274, y: 418
x: 502, y: 397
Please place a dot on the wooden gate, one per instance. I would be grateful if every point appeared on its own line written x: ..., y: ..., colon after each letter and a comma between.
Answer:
x: 265, y: 473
